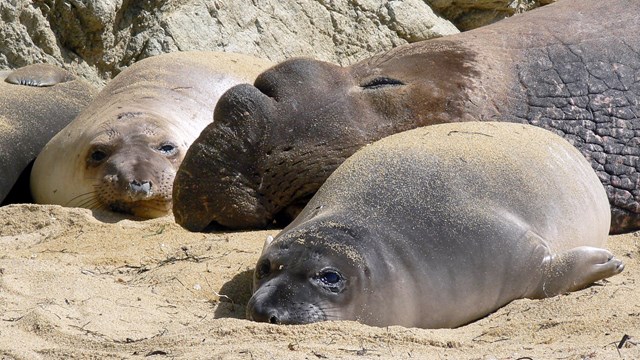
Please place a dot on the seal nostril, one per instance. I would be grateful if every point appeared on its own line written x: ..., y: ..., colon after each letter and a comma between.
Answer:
x: 140, y: 186
x: 273, y: 319
x: 266, y: 88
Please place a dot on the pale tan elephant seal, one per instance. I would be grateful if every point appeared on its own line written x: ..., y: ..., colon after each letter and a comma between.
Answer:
x: 122, y: 152
x: 36, y: 101
x: 437, y: 227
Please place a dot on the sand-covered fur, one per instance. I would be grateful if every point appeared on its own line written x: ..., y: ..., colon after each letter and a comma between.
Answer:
x: 438, y: 226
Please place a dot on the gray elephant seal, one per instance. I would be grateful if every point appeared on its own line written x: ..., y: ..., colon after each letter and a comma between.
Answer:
x: 570, y: 67
x: 36, y: 102
x: 437, y: 227
x: 121, y: 153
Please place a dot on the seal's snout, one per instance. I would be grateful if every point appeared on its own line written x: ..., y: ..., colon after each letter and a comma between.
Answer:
x: 140, y: 189
x: 272, y: 318
x: 284, y: 302
x: 218, y: 182
x: 261, y: 307
x: 261, y: 313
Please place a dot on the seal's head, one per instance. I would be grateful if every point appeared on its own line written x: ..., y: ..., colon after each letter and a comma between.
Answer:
x: 131, y: 166
x: 126, y: 165
x: 121, y: 153
x: 298, y: 280
x: 273, y: 144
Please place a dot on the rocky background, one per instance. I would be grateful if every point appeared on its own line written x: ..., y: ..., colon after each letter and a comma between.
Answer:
x: 98, y: 38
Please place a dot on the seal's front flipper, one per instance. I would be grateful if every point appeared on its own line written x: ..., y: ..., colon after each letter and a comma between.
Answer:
x: 576, y: 269
x: 39, y: 75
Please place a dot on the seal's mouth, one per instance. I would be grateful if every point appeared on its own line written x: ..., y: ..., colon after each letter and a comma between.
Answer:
x: 121, y: 207
x: 280, y: 311
x: 143, y: 209
x: 140, y: 198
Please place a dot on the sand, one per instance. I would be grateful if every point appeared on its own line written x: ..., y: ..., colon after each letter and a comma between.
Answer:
x: 78, y: 285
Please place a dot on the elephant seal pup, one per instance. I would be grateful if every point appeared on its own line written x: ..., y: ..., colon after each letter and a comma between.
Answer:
x: 121, y: 153
x: 36, y: 101
x: 569, y: 67
x: 437, y: 227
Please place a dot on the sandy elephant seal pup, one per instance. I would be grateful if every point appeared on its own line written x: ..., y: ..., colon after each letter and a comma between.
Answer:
x: 439, y: 226
x: 36, y: 101
x: 570, y: 66
x: 121, y: 153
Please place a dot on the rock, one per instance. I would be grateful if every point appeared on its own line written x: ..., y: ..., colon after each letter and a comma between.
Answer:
x: 97, y: 39
x: 26, y: 37
x: 471, y: 14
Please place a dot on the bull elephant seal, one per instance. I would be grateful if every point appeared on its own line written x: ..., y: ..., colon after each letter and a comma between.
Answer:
x: 569, y: 67
x: 437, y: 227
x: 36, y: 101
x: 121, y: 153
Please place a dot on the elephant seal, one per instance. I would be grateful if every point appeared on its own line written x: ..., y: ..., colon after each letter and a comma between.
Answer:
x: 437, y: 227
x: 570, y: 67
x: 36, y: 101
x: 121, y: 153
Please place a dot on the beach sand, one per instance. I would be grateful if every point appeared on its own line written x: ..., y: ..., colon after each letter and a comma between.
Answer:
x: 78, y: 285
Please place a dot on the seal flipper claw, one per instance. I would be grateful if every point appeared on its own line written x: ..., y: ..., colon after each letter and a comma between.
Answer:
x: 39, y: 75
x: 576, y: 269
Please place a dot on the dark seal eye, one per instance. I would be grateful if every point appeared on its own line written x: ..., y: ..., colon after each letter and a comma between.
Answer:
x: 381, y: 82
x: 330, y: 280
x: 330, y: 277
x: 263, y: 269
x: 167, y: 149
x: 98, y: 155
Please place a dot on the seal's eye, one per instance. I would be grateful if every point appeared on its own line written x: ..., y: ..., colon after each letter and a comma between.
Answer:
x: 330, y: 277
x: 331, y: 280
x: 98, y: 155
x: 263, y: 269
x: 167, y: 149
x: 379, y: 82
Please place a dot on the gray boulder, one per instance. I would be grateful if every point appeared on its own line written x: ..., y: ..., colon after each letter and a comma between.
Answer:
x: 471, y: 14
x: 98, y: 38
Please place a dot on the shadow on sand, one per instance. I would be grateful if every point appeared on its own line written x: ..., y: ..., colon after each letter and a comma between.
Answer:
x: 234, y: 295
